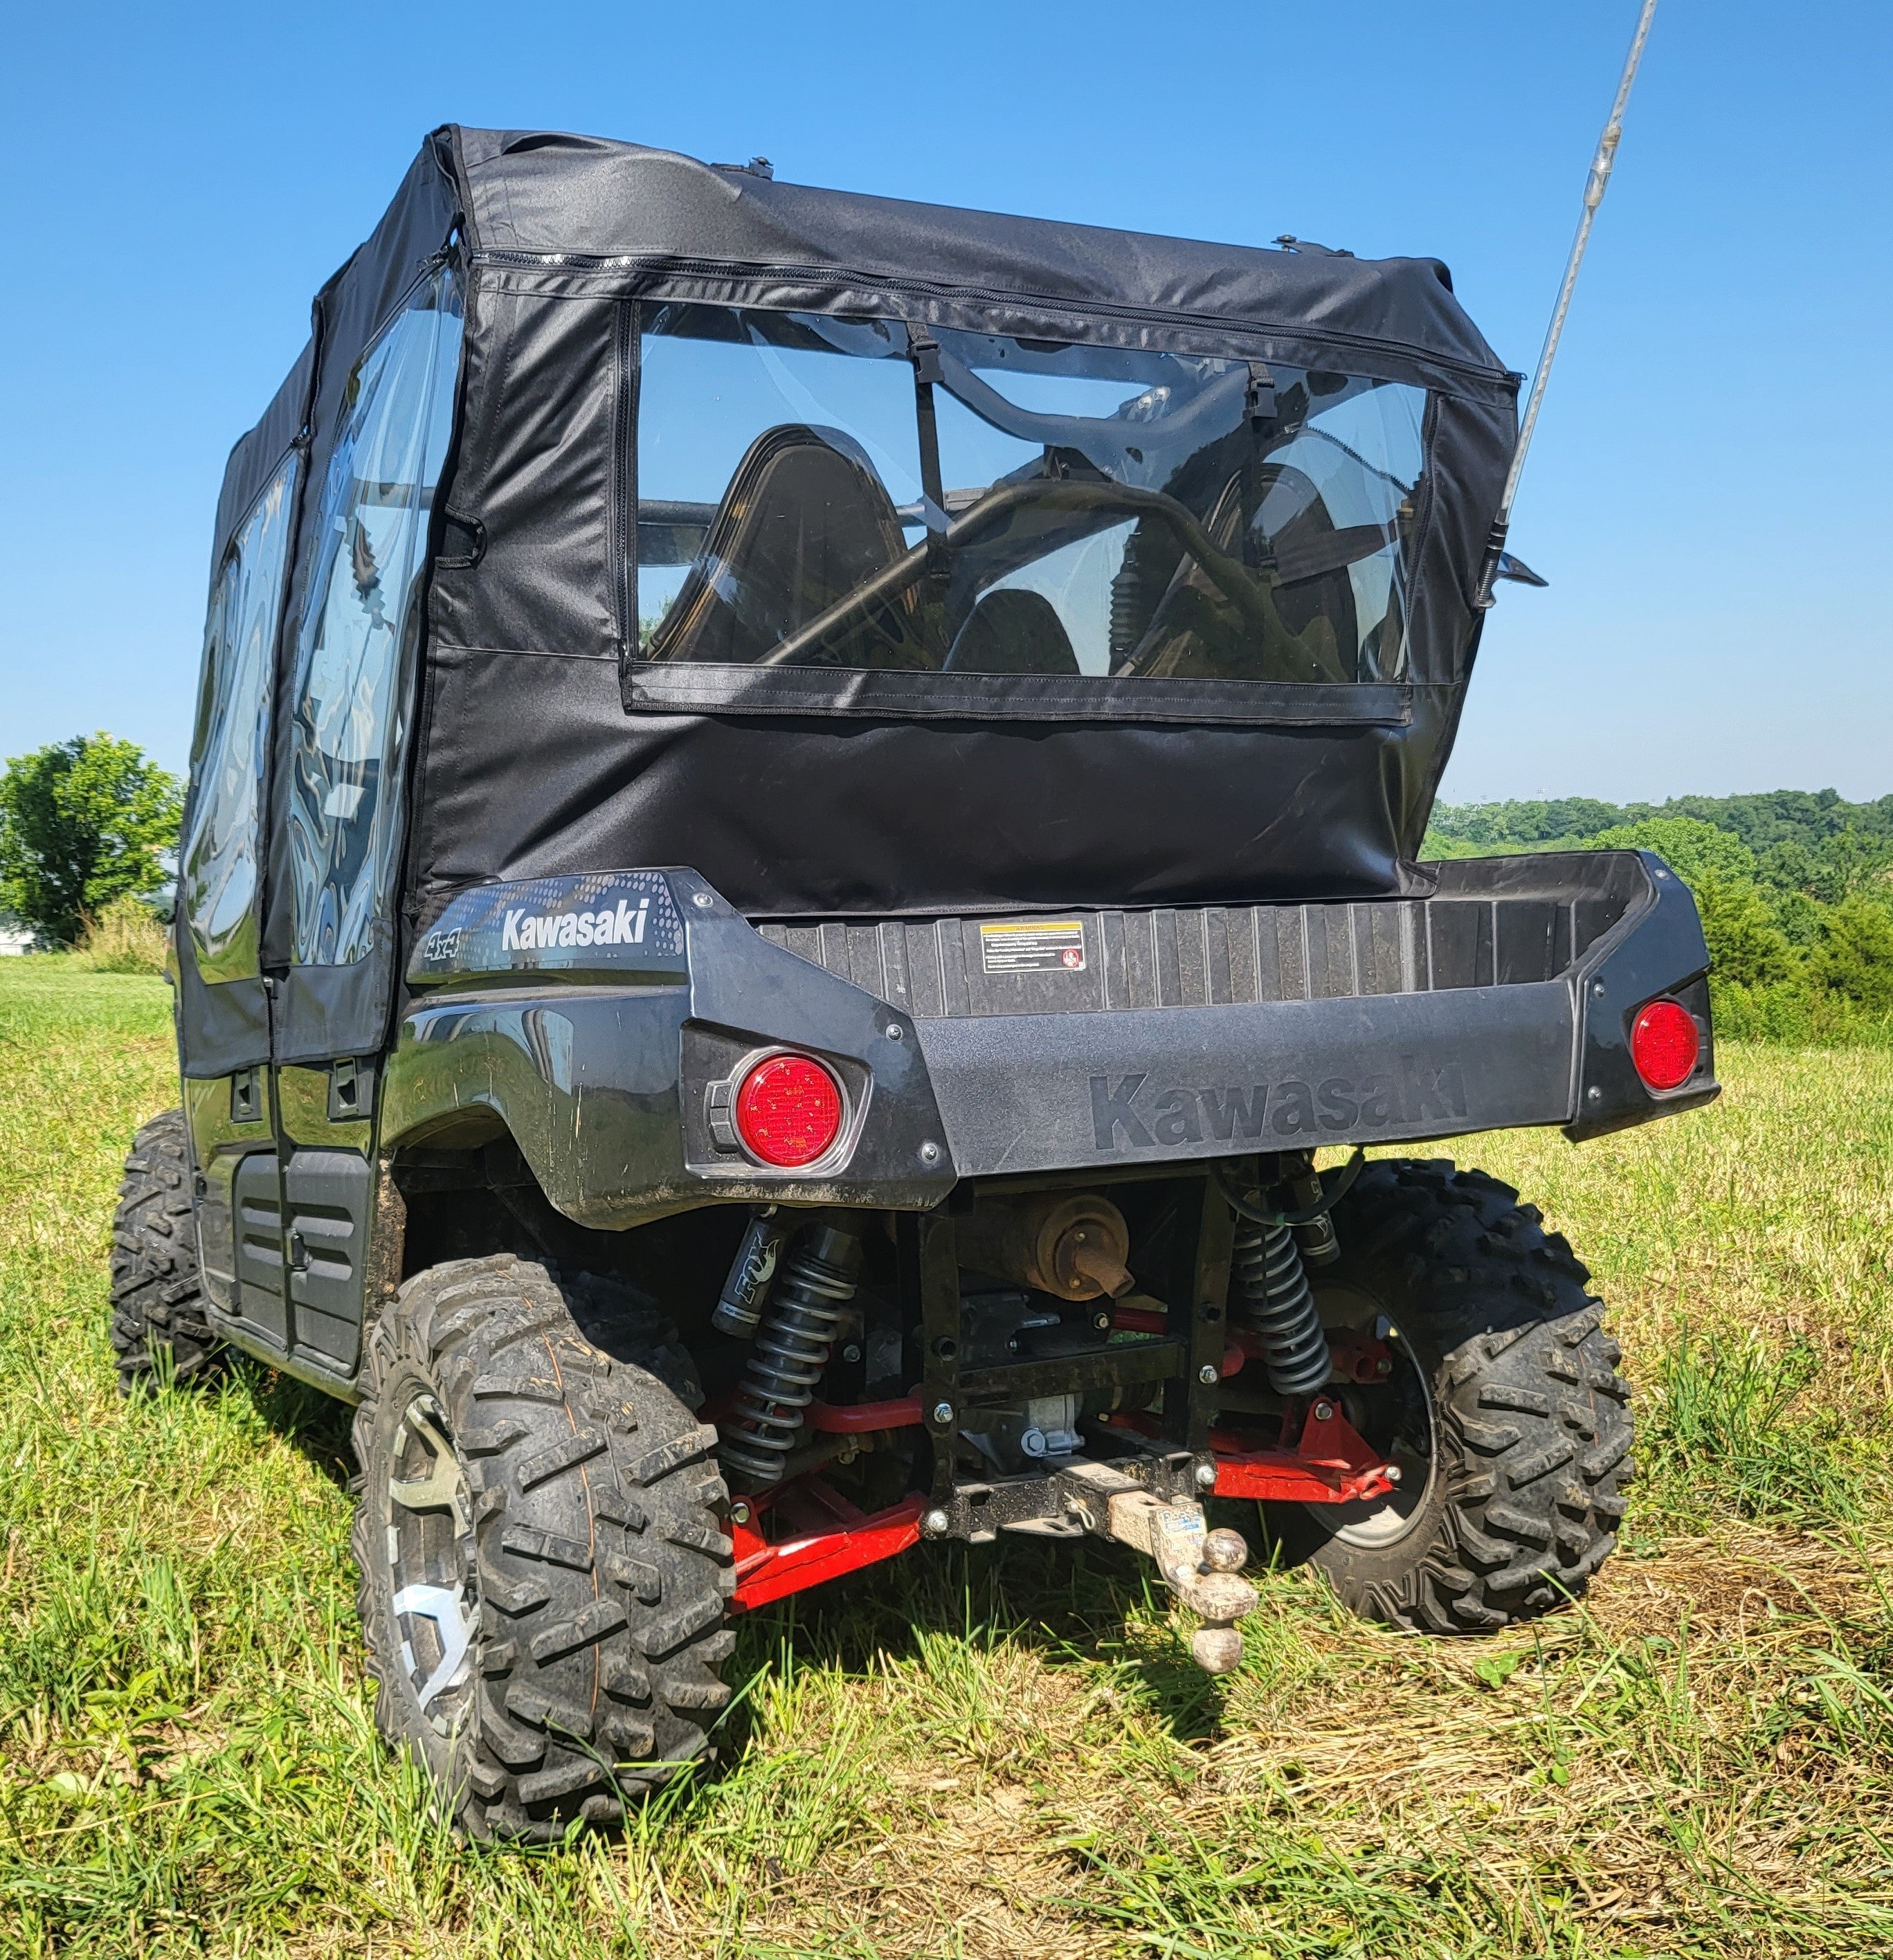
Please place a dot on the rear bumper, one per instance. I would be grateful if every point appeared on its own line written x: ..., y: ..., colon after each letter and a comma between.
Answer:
x: 1181, y: 1083
x: 1503, y: 1001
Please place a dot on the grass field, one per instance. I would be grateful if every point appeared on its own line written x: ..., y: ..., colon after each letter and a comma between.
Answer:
x: 1003, y: 1753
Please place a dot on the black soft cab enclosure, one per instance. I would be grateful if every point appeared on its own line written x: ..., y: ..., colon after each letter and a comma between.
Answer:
x: 843, y: 779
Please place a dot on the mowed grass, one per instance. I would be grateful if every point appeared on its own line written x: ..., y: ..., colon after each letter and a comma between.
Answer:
x: 1004, y: 1752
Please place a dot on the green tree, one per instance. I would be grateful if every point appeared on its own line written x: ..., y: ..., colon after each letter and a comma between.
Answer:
x: 1856, y: 954
x: 1746, y: 943
x: 1695, y: 851
x: 81, y: 822
x: 1748, y: 949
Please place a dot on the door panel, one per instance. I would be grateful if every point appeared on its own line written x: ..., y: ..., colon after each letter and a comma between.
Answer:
x: 342, y: 757
x: 226, y: 1117
x: 224, y: 1017
x: 328, y: 1194
x: 256, y: 1193
x: 329, y: 1188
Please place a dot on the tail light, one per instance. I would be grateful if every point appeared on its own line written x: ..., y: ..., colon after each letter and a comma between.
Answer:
x: 788, y: 1111
x: 1664, y: 1044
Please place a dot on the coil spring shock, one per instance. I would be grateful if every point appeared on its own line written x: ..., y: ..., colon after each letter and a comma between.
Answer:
x: 815, y: 1283
x: 1281, y: 1307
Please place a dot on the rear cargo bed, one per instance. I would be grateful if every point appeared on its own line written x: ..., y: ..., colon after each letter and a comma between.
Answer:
x: 1493, y: 922
x: 1499, y: 1001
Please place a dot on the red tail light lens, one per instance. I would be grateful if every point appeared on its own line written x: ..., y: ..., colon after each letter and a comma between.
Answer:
x: 1664, y: 1045
x: 788, y: 1111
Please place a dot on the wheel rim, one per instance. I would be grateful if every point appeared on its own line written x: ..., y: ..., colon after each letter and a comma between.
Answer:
x: 430, y: 1553
x: 1398, y: 1419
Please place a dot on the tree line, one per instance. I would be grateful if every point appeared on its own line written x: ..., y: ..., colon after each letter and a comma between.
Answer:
x: 84, y: 825
x: 1796, y: 888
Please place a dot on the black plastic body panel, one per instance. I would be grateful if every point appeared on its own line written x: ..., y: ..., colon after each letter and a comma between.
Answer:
x: 1503, y: 1001
x: 328, y: 1201
x: 257, y: 1191
x: 1177, y: 1084
x: 223, y: 1133
x: 599, y: 1069
x: 1665, y: 954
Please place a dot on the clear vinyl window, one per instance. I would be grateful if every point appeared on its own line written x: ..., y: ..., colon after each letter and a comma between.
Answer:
x: 217, y: 878
x: 778, y: 469
x: 829, y: 493
x: 361, y: 617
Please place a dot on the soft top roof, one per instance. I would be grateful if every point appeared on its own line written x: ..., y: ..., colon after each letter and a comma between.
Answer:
x: 543, y: 748
x: 543, y: 192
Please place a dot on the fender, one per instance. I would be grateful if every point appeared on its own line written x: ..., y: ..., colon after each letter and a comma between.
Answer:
x: 589, y: 1015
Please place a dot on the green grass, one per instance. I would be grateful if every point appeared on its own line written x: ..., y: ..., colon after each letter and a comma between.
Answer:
x: 1003, y: 1752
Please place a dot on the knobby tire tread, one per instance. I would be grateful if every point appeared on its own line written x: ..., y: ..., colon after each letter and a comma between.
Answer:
x: 603, y: 1569
x: 1534, y: 1429
x: 157, y: 1297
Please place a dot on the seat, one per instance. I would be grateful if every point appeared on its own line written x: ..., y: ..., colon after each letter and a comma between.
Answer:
x: 804, y: 522
x: 1015, y: 632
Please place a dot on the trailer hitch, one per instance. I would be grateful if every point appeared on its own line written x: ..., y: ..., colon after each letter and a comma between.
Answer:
x: 1201, y: 1567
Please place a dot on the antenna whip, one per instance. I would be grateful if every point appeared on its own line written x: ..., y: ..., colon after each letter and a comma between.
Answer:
x: 1594, y: 185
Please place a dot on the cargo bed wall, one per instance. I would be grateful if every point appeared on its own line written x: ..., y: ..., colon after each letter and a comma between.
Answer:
x: 1493, y: 922
x: 1217, y: 1028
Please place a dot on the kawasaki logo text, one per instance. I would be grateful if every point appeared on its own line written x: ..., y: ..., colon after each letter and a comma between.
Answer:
x: 1123, y: 1115
x: 522, y: 931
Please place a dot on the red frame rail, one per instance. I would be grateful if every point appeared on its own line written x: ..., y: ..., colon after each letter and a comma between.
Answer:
x: 804, y: 1532
x: 826, y: 1536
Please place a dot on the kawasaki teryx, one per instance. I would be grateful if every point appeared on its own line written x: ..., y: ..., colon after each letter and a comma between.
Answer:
x: 804, y: 818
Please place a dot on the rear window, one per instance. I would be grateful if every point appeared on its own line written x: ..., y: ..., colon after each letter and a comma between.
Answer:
x: 819, y: 492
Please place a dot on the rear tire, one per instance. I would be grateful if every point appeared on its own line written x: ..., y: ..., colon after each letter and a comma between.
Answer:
x: 544, y: 1569
x: 158, y: 1299
x: 1505, y: 1411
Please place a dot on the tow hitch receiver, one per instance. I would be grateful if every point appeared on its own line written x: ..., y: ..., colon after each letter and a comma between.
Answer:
x: 1200, y: 1566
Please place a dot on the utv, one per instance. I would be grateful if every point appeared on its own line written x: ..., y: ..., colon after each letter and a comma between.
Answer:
x: 803, y: 820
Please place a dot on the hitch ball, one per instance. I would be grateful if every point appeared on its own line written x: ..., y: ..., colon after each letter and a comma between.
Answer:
x: 1217, y: 1649
x: 1224, y: 1551
x: 1201, y: 1567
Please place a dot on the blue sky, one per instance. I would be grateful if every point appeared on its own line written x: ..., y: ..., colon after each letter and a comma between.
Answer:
x: 1709, y: 491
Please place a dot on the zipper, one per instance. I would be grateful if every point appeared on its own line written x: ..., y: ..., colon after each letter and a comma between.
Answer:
x: 894, y: 284
x: 625, y: 477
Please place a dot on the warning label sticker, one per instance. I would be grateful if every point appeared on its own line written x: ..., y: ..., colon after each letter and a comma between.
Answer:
x: 1035, y: 946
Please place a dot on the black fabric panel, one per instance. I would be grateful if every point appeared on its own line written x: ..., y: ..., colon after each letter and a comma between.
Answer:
x: 259, y: 455
x: 221, y: 1027
x: 328, y: 1011
x: 544, y: 192
x: 534, y: 475
x: 351, y: 310
x: 1030, y: 317
x: 532, y: 768
x: 1469, y: 453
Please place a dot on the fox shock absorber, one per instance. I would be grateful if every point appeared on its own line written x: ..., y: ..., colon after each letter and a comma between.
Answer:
x: 813, y: 1284
x: 1272, y: 1252
x: 746, y: 1293
x: 1279, y: 1305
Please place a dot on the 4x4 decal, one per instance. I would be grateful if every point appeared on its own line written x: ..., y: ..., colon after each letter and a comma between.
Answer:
x: 1126, y: 1113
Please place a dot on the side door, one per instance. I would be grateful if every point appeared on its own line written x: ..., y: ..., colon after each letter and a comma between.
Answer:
x: 341, y: 820
x: 223, y: 1005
